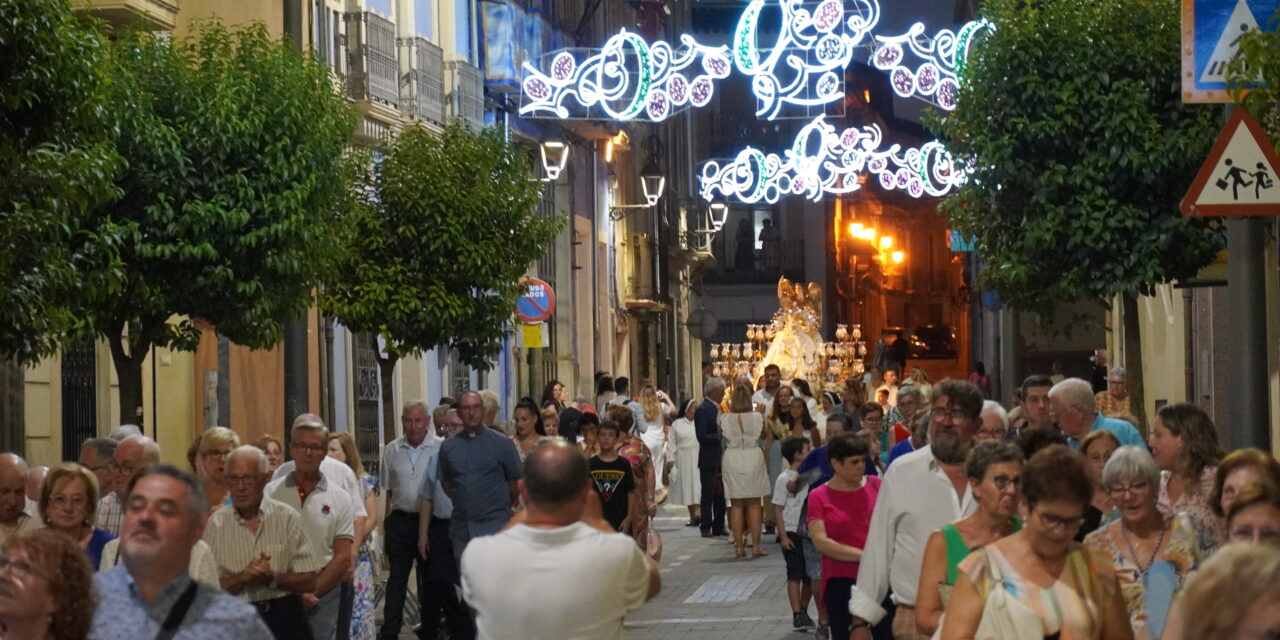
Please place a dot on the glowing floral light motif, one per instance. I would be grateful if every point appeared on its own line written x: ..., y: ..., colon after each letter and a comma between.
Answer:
x: 804, y: 65
x: 944, y: 55
x: 822, y: 161
x: 628, y: 78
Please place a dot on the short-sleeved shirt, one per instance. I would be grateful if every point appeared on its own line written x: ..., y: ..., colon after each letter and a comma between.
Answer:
x: 122, y: 614
x: 846, y: 517
x: 614, y: 483
x: 431, y: 489
x: 477, y: 469
x: 403, y: 467
x: 633, y: 450
x: 792, y: 503
x: 280, y: 535
x: 110, y: 513
x: 338, y: 474
x: 586, y: 580
x: 327, y: 514
x: 1126, y: 433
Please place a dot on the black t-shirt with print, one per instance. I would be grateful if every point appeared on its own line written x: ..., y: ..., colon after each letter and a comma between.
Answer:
x: 613, y: 483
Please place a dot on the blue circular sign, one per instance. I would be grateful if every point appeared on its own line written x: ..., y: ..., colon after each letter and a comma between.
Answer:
x: 538, y: 302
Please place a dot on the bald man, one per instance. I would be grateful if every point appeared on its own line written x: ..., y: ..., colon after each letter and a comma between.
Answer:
x: 562, y: 549
x: 13, y: 497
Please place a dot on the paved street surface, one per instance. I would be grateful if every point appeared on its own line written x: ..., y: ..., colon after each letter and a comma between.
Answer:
x: 707, y: 593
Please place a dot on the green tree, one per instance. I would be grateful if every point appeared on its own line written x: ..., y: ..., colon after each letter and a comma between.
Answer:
x: 234, y: 143
x: 445, y: 229
x: 57, y: 161
x: 1254, y: 77
x: 1083, y: 148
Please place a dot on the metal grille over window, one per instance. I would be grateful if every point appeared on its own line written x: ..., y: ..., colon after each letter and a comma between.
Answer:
x: 429, y: 78
x: 79, y: 398
x: 375, y: 71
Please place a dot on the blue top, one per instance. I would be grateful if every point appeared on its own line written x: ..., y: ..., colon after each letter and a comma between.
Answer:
x: 122, y: 614
x: 97, y: 541
x: 441, y: 505
x: 477, y: 469
x: 900, y: 449
x: 1123, y: 431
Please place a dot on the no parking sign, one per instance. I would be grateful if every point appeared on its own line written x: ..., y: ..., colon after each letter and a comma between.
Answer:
x: 538, y: 302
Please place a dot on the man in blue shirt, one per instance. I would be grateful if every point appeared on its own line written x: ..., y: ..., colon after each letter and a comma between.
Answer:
x: 164, y: 517
x: 478, y: 469
x: 1074, y: 408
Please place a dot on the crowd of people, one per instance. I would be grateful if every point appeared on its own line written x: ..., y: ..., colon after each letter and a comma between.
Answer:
x: 933, y: 512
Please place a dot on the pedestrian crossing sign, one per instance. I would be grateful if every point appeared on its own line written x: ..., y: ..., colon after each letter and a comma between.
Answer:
x: 1239, y: 176
x: 1211, y: 33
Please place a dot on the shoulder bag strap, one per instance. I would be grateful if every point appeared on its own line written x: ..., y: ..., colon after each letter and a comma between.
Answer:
x: 178, y: 612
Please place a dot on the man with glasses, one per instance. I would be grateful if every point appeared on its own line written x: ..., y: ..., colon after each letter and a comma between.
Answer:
x: 478, y: 469
x: 438, y: 593
x: 1072, y: 404
x: 96, y: 455
x: 921, y: 492
x: 328, y: 518
x: 262, y: 552
x: 133, y: 453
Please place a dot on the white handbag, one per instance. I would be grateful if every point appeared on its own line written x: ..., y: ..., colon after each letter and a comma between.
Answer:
x: 1003, y: 616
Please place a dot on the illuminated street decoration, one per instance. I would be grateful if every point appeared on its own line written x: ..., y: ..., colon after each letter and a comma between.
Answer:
x: 938, y: 76
x: 627, y: 78
x: 823, y: 161
x: 804, y: 66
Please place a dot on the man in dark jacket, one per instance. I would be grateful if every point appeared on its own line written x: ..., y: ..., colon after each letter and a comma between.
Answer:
x: 706, y: 425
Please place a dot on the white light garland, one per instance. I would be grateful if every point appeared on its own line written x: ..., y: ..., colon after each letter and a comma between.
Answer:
x: 938, y: 76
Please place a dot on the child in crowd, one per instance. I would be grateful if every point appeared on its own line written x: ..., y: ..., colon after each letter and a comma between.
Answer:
x: 787, y: 508
x: 612, y: 479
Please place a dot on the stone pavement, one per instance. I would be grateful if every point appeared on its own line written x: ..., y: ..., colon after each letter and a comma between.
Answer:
x: 709, y: 594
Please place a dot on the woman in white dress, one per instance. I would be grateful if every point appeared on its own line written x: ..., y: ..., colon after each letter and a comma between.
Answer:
x: 656, y: 408
x: 746, y: 480
x: 681, y: 470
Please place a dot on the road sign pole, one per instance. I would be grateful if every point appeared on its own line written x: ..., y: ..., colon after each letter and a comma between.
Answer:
x: 1248, y: 407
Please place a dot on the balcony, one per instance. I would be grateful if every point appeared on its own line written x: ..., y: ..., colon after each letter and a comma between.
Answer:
x: 157, y: 15
x: 757, y: 267
x: 374, y: 66
x: 428, y: 81
x: 466, y: 92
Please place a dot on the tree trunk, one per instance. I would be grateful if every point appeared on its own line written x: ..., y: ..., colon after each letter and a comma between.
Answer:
x: 129, y: 375
x: 1133, y: 361
x: 386, y: 368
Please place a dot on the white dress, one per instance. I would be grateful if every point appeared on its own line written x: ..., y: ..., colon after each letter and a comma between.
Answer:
x: 682, y: 447
x: 743, y: 466
x: 653, y: 438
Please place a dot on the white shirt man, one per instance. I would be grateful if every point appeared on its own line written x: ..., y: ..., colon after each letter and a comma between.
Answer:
x: 772, y: 381
x: 587, y: 577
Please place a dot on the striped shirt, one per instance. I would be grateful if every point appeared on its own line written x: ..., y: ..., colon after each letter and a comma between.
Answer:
x: 279, y: 535
x: 110, y: 514
x: 403, y: 466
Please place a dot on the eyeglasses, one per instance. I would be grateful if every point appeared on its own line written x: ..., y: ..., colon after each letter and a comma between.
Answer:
x: 309, y: 448
x: 1003, y: 482
x: 18, y: 569
x: 72, y: 502
x: 1058, y: 522
x: 990, y: 433
x: 249, y: 479
x: 1115, y: 382
x: 1137, y: 488
x: 124, y: 469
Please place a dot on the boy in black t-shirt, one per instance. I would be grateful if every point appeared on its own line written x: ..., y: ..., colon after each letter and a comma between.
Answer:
x: 611, y: 478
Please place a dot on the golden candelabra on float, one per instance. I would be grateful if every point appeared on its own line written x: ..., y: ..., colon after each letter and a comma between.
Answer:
x: 791, y: 341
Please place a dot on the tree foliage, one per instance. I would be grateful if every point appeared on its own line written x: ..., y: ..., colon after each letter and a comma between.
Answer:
x: 56, y: 165
x: 446, y: 226
x: 1254, y: 77
x: 1083, y: 148
x: 235, y: 149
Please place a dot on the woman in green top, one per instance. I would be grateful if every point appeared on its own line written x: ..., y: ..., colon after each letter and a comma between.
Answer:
x: 994, y: 469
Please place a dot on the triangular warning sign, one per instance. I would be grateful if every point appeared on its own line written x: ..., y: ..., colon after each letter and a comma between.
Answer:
x: 1239, y: 177
x: 1241, y: 22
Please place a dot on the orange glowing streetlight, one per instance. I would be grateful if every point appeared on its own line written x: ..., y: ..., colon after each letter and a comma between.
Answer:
x: 898, y: 257
x: 886, y: 243
x: 855, y: 229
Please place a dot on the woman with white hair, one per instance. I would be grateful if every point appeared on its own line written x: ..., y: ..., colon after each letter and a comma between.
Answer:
x: 1114, y: 402
x: 1152, y: 553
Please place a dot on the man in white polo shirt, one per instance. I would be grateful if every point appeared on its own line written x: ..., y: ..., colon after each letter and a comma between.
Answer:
x: 328, y: 517
x: 585, y: 576
x: 261, y: 549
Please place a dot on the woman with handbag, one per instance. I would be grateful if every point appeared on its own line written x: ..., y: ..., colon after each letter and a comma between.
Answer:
x: 994, y: 470
x: 746, y: 480
x: 1040, y: 582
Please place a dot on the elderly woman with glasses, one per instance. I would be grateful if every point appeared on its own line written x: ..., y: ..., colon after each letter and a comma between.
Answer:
x: 1054, y: 586
x: 69, y: 505
x: 1153, y: 553
x: 994, y: 470
x: 211, y: 463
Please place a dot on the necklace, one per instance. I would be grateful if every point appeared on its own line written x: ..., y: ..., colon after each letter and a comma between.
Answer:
x: 1142, y: 571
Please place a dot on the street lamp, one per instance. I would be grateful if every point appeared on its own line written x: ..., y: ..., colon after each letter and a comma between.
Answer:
x: 555, y: 153
x: 898, y: 257
x: 653, y: 181
x: 719, y: 210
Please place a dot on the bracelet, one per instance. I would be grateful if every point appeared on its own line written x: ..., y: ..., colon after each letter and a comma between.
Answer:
x: 858, y: 624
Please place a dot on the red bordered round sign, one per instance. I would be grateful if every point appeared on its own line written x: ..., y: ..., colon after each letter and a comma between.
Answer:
x: 538, y: 302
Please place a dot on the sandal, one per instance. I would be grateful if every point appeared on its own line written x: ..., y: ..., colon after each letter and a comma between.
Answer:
x: 740, y: 551
x: 759, y: 553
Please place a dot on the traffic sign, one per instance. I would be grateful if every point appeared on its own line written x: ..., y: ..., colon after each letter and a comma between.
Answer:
x: 1211, y: 32
x: 538, y: 302
x: 1239, y: 176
